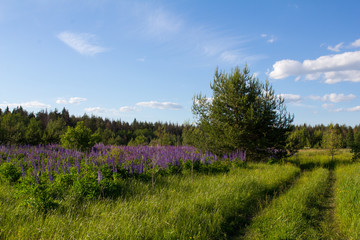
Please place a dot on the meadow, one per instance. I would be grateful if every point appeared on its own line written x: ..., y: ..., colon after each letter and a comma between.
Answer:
x: 48, y: 192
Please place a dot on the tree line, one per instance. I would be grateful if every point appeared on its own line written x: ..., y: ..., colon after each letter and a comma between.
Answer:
x: 20, y: 127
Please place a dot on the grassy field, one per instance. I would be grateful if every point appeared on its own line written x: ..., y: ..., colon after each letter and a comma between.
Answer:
x: 347, y: 199
x: 311, y: 158
x: 208, y: 207
x: 311, y: 197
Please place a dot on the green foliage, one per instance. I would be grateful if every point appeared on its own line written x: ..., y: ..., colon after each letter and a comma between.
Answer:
x: 332, y: 140
x: 79, y: 138
x: 355, y: 147
x: 33, y: 132
x: 242, y: 113
x: 53, y: 131
x: 10, y: 172
x: 138, y: 141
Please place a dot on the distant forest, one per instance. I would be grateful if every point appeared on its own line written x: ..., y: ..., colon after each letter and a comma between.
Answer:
x: 20, y: 127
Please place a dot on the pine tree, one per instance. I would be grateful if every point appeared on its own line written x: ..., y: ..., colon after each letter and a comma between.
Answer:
x: 242, y: 113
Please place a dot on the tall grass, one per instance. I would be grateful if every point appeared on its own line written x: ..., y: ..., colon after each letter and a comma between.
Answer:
x: 347, y: 199
x: 293, y: 214
x: 209, y: 207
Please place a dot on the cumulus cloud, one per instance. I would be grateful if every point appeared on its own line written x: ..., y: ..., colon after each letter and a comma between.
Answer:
x: 81, y: 42
x: 334, y: 97
x: 291, y: 98
x: 31, y: 104
x: 72, y: 100
x: 333, y: 68
x: 336, y: 48
x: 160, y: 105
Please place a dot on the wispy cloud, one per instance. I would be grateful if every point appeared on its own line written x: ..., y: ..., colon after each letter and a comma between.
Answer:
x: 160, y: 22
x: 81, y: 42
x: 160, y: 105
x: 337, y: 47
x: 96, y: 110
x: 350, y: 109
x: 72, y: 100
x: 167, y: 26
x: 333, y: 68
x: 334, y: 97
x: 291, y: 98
x: 127, y: 109
x: 269, y: 38
x: 31, y: 104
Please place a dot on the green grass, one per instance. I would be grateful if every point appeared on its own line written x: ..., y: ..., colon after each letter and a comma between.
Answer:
x: 347, y: 200
x: 207, y: 207
x: 294, y: 214
x: 311, y: 158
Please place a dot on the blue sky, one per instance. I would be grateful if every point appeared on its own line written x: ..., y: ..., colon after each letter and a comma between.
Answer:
x: 147, y: 59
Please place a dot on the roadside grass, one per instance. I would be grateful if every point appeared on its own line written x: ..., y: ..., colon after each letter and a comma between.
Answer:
x: 347, y: 200
x: 179, y: 207
x: 295, y: 214
x: 312, y: 158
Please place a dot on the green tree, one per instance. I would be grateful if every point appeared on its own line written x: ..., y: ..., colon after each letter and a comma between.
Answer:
x: 350, y: 137
x: 53, y: 131
x: 243, y: 113
x: 79, y: 138
x: 140, y: 140
x: 33, y: 132
x: 355, y: 147
x: 332, y: 140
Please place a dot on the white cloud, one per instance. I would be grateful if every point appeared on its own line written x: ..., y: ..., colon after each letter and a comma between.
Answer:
x: 354, y: 109
x: 342, y: 76
x: 356, y: 43
x: 76, y: 100
x: 31, y: 104
x: 351, y: 109
x: 160, y: 105
x: 270, y: 39
x: 127, y: 109
x: 97, y: 110
x: 72, y: 100
x: 333, y: 68
x: 291, y: 98
x: 81, y: 42
x: 336, y: 48
x: 327, y: 105
x: 333, y: 97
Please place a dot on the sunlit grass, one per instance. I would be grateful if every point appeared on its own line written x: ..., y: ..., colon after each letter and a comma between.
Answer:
x: 293, y: 214
x: 310, y: 158
x: 206, y: 207
x: 347, y: 199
